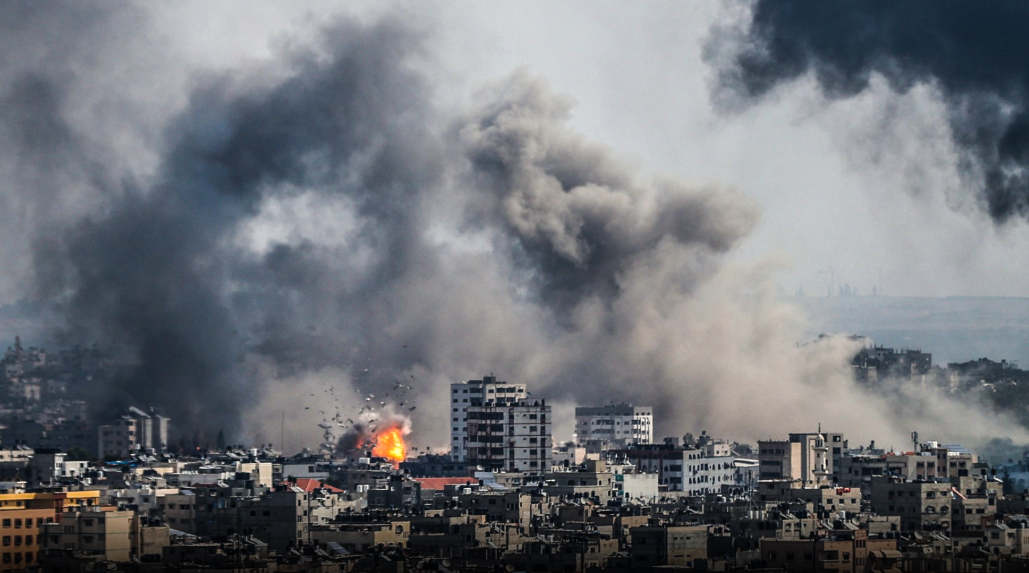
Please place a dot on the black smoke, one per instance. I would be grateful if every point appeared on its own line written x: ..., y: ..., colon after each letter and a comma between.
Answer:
x: 975, y: 54
x: 157, y: 273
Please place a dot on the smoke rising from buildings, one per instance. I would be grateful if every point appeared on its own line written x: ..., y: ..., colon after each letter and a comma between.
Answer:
x: 975, y: 59
x: 315, y: 220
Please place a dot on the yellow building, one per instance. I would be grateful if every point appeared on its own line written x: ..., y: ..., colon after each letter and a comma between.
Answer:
x: 22, y: 514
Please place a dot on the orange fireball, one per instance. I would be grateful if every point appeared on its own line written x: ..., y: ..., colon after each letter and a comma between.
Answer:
x: 390, y: 445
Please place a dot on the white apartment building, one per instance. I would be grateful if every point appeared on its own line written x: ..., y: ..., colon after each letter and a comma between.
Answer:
x: 511, y: 437
x: 681, y: 469
x: 617, y: 425
x: 464, y: 395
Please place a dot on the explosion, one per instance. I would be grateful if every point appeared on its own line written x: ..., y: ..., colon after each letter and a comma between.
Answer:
x: 390, y: 444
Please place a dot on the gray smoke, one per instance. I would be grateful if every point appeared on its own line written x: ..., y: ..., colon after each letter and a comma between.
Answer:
x: 578, y: 217
x: 157, y: 273
x: 974, y: 55
x: 292, y: 241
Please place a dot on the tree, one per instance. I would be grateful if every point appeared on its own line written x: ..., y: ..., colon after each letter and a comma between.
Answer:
x: 78, y: 454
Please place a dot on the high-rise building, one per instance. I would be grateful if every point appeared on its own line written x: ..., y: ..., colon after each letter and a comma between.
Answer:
x: 510, y: 436
x: 134, y: 431
x: 617, y: 425
x: 464, y: 395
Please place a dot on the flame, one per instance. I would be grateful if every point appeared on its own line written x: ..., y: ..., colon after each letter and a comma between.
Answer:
x: 390, y: 445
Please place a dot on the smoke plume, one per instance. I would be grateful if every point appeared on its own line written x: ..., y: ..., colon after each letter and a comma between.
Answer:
x: 974, y: 56
x: 313, y: 237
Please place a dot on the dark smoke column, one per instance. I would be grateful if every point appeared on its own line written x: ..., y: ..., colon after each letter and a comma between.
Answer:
x: 160, y: 273
x: 975, y: 54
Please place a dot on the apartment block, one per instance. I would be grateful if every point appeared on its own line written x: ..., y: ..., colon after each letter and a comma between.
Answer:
x: 485, y: 392
x: 617, y: 425
x: 107, y: 534
x: 514, y: 436
x: 920, y: 505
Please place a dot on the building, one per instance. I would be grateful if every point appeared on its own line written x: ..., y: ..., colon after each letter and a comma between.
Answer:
x: 814, y: 459
x: 280, y: 518
x: 512, y: 436
x: 669, y: 545
x: 778, y: 459
x: 50, y: 465
x: 19, y: 530
x: 118, y: 440
x: 179, y: 510
x: 844, y: 553
x: 22, y: 515
x: 104, y: 533
x: 689, y: 470
x: 617, y: 425
x: 485, y: 392
x: 921, y: 505
x: 829, y: 446
x: 153, y: 429
x: 132, y: 432
x: 592, y: 480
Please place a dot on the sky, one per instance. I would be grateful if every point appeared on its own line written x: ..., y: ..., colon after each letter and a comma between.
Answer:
x: 850, y: 191
x: 261, y: 201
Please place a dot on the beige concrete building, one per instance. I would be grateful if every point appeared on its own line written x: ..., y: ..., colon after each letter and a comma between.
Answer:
x: 779, y: 459
x: 811, y: 458
x: 672, y: 545
x: 920, y: 505
x: 103, y: 533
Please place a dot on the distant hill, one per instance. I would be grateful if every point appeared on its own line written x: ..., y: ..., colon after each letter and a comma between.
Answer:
x: 953, y: 329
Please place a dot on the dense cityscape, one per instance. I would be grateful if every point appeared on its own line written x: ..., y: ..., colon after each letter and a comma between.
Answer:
x: 124, y: 494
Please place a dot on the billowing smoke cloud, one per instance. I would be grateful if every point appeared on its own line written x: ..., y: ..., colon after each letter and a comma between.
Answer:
x: 580, y: 219
x: 974, y: 56
x: 315, y: 236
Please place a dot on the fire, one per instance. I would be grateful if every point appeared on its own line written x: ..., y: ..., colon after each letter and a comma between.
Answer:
x: 390, y: 445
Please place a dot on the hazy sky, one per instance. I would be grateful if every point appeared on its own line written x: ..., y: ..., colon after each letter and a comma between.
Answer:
x: 854, y: 186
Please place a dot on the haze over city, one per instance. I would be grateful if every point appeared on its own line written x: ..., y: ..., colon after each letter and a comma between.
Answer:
x: 326, y: 280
